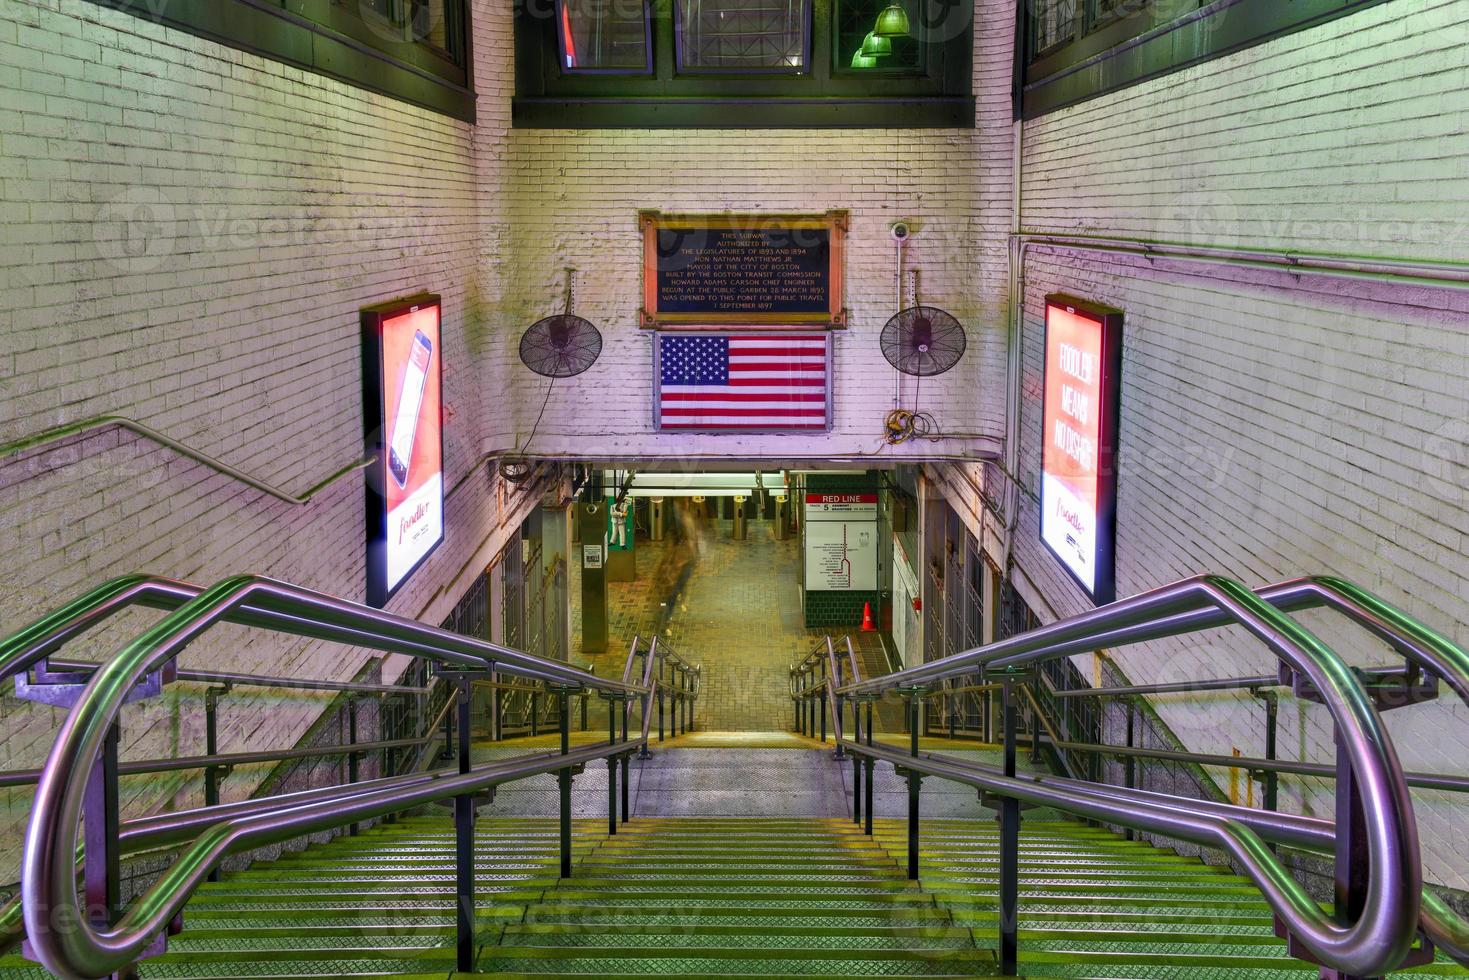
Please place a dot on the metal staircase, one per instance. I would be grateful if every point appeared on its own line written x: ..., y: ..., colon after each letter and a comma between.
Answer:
x: 427, y: 893
x: 721, y: 897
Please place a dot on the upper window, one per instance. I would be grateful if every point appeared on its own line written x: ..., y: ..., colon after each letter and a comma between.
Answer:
x: 742, y: 35
x: 1078, y: 49
x: 860, y: 46
x: 604, y: 36
x: 414, y: 50
x: 427, y: 34
x: 743, y: 63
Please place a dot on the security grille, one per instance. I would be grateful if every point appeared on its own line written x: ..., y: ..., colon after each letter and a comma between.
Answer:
x: 743, y: 34
x: 1052, y: 22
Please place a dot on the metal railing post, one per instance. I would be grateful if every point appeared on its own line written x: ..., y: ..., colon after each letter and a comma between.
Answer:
x: 683, y: 699
x: 841, y: 752
x: 535, y: 714
x: 915, y: 697
x: 834, y: 700
x: 353, y: 760
x: 1035, y: 722
x: 385, y: 760
x: 871, y: 765
x: 856, y: 789
x: 1009, y: 847
x: 1129, y: 764
x: 497, y: 709
x: 465, y: 945
x: 448, y: 735
x: 1350, y: 865
x: 564, y: 778
x: 101, y: 860
x: 211, y: 747
x: 612, y: 766
x: 660, y: 707
x: 1272, y: 778
x: 626, y: 767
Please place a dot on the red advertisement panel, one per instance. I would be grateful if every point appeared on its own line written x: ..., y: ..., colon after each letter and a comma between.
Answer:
x: 404, y: 419
x: 1078, y: 478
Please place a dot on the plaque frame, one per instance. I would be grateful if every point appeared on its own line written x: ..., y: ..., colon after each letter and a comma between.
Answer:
x: 834, y: 318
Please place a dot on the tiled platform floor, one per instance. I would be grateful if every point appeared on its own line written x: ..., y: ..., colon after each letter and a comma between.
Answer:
x: 738, y: 613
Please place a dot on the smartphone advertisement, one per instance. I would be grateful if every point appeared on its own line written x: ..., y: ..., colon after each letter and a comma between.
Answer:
x: 402, y: 369
x: 1078, y: 466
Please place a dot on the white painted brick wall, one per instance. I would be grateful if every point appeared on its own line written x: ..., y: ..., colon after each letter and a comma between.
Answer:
x: 268, y: 205
x: 1272, y: 428
x: 571, y: 199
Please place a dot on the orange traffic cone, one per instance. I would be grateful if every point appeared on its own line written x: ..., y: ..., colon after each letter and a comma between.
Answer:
x: 867, y: 626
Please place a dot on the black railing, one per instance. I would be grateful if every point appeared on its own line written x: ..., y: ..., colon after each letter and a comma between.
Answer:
x: 1383, y: 908
x: 87, y: 930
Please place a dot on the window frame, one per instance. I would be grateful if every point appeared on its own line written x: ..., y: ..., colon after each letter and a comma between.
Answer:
x: 822, y: 96
x: 646, y: 70
x: 683, y: 70
x: 842, y: 68
x: 1115, y: 51
x: 319, y: 37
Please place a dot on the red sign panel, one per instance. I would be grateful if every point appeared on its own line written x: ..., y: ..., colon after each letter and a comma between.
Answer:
x: 402, y: 369
x: 1078, y: 471
x: 841, y: 506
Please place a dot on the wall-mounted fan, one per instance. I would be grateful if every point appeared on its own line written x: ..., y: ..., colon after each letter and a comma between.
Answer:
x: 560, y: 346
x: 921, y: 341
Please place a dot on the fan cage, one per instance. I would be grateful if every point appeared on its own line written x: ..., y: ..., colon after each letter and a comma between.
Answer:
x: 923, y: 341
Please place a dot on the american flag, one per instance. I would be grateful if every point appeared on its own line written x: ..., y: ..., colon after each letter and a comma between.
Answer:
x: 743, y: 381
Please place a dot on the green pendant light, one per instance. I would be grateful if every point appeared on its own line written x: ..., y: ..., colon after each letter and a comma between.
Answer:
x: 877, y: 47
x: 892, y: 22
x: 860, y: 60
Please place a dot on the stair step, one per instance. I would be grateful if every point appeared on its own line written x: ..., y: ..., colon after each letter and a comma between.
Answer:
x: 728, y: 897
x: 735, y: 961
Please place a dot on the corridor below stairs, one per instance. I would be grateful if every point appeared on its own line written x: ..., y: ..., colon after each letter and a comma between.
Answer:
x: 731, y: 604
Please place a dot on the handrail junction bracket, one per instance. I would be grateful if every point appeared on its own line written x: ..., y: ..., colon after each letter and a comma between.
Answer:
x: 1387, y: 689
x: 63, y: 688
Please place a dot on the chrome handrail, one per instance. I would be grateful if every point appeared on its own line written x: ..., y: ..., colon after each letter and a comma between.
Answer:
x: 22, y: 649
x: 61, y: 937
x: 1384, y: 931
x: 653, y: 683
x: 833, y: 702
x: 57, y: 433
x: 1416, y: 642
x: 1306, y: 920
x: 1443, y: 926
x: 87, y: 951
x: 143, y: 833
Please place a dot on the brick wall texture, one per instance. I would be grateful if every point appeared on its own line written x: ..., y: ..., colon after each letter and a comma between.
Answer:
x: 1274, y: 426
x: 188, y: 234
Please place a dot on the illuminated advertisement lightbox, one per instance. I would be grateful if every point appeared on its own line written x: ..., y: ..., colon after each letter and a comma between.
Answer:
x: 1078, y: 466
x: 402, y: 374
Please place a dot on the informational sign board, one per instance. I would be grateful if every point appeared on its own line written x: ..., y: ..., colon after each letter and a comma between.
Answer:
x: 402, y: 371
x: 841, y: 506
x: 752, y: 269
x: 592, y: 556
x: 1078, y: 468
x: 841, y: 556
